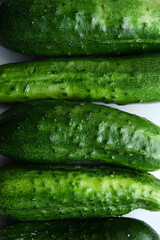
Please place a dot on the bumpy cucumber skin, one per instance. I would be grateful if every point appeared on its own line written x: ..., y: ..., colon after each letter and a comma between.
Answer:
x: 120, y: 80
x: 90, y: 229
x: 65, y: 27
x: 34, y: 192
x: 62, y: 131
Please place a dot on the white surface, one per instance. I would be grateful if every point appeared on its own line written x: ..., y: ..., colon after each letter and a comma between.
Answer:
x: 151, y: 111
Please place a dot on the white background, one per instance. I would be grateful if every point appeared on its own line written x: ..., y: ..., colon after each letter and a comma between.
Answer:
x: 151, y: 111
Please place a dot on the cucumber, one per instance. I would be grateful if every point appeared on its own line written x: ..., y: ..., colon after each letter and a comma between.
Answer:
x: 62, y: 131
x: 90, y: 229
x: 121, y: 80
x: 66, y: 27
x: 42, y: 192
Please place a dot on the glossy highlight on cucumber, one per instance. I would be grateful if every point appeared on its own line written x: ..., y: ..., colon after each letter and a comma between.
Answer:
x: 62, y: 131
x: 89, y: 229
x: 66, y: 27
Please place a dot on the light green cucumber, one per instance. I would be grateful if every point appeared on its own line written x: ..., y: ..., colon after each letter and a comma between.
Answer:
x: 66, y: 27
x: 89, y: 229
x: 62, y: 131
x: 42, y: 192
x: 121, y: 80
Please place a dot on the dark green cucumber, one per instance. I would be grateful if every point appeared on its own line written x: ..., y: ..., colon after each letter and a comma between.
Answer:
x: 41, y: 192
x: 62, y: 131
x: 90, y: 229
x: 122, y: 80
x: 66, y: 27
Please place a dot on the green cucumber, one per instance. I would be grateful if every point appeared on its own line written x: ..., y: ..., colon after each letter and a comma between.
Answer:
x: 42, y: 192
x: 66, y: 27
x: 122, y: 80
x: 89, y: 229
x: 62, y: 131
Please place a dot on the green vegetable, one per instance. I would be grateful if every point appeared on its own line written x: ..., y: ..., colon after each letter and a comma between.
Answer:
x: 66, y: 27
x: 62, y: 131
x: 121, y: 80
x: 90, y: 229
x: 52, y: 131
x: 41, y: 192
